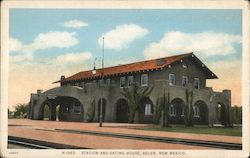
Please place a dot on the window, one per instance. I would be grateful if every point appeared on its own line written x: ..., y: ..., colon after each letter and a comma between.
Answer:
x: 130, y: 81
x: 184, y: 81
x: 77, y: 108
x: 196, y: 111
x: 144, y: 79
x: 196, y: 83
x: 172, y: 110
x: 122, y: 82
x: 148, y: 110
x: 171, y: 79
x: 108, y: 82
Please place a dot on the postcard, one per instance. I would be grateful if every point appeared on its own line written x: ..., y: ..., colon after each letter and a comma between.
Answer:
x: 124, y: 78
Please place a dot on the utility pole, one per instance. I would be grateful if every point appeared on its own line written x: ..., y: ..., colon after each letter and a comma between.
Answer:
x: 102, y: 84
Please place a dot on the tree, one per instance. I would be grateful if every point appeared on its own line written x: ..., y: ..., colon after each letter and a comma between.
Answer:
x: 189, y: 108
x: 134, y: 96
x: 158, y: 110
x: 237, y: 114
x: 21, y: 110
x: 162, y: 110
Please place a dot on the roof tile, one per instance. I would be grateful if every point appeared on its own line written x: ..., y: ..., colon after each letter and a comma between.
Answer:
x: 126, y: 68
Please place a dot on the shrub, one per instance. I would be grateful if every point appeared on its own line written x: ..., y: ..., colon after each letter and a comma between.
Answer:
x: 91, y: 112
x: 21, y: 110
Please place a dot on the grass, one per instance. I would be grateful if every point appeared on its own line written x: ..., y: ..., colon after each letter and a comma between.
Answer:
x: 234, y: 131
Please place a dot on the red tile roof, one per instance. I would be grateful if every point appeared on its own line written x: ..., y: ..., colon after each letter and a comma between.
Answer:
x: 127, y: 68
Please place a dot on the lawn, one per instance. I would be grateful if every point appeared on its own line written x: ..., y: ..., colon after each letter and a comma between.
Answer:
x: 234, y: 131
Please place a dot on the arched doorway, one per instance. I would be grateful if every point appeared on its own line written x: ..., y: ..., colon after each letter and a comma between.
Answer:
x: 146, y: 110
x: 64, y: 108
x: 221, y: 114
x: 46, y: 112
x: 200, y: 111
x: 103, y: 109
x: 122, y: 111
x: 177, y: 111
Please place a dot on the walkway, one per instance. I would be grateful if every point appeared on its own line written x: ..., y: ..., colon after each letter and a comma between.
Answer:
x: 48, y: 131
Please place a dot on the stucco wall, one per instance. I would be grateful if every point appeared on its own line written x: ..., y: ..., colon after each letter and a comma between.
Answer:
x: 157, y: 79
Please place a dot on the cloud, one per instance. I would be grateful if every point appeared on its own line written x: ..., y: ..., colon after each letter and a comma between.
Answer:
x: 122, y: 36
x: 52, y: 39
x: 76, y: 24
x: 15, y: 44
x: 205, y: 44
x: 73, y: 58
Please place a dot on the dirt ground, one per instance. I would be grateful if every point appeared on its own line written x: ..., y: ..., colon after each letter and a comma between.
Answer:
x: 35, y: 129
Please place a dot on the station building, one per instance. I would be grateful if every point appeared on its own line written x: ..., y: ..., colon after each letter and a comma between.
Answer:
x: 176, y: 75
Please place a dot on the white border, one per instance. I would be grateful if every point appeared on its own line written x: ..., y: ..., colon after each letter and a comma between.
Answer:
x: 125, y: 4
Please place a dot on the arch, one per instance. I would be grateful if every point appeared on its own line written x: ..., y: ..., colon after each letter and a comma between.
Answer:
x: 70, y: 109
x: 200, y: 113
x: 103, y: 109
x: 64, y: 108
x: 177, y: 111
x: 146, y: 110
x: 66, y: 91
x: 122, y: 110
x: 46, y: 112
x: 221, y: 109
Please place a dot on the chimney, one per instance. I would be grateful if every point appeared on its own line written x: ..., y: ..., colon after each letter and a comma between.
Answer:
x: 39, y: 91
x: 62, y: 79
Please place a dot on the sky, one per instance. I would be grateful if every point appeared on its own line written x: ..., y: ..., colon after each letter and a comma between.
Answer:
x: 48, y: 43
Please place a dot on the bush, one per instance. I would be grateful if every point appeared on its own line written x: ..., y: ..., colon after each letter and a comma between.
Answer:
x: 237, y: 114
x: 21, y: 110
x: 91, y: 112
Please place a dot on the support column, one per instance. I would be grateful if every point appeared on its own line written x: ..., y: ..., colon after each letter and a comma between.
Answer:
x: 52, y: 111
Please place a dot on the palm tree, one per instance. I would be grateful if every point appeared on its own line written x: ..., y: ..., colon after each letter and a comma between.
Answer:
x: 134, y: 95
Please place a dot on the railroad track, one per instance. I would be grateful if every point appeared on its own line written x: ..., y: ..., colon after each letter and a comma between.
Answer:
x: 37, y: 144
x: 213, y: 144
